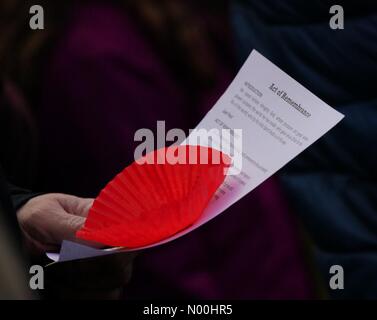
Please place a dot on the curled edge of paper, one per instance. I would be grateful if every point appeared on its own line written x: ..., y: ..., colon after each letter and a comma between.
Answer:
x: 74, y: 251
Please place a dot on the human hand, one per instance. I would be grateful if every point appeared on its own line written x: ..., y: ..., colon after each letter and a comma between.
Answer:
x: 47, y: 220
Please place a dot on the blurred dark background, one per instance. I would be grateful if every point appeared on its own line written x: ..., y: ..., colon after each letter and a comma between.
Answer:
x: 74, y: 94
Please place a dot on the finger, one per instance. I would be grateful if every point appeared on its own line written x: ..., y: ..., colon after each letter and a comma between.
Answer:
x: 48, y: 218
x: 65, y: 227
x: 83, y: 207
x: 75, y: 205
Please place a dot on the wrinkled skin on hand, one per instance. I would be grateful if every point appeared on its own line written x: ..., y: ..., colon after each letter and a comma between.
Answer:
x: 46, y: 221
x: 49, y: 219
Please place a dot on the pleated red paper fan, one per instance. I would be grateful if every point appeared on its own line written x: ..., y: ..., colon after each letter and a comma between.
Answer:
x: 153, y: 199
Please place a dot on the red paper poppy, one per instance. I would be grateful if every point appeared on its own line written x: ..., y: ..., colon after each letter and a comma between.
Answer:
x: 155, y: 197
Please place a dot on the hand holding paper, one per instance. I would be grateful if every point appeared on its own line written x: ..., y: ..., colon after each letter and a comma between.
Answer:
x: 48, y: 219
x: 278, y: 119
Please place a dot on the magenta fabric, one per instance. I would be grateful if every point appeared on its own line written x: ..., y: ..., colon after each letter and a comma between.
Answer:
x: 104, y: 81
